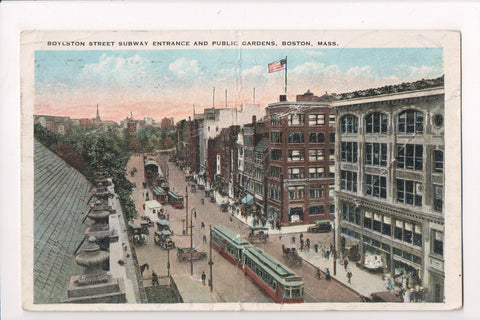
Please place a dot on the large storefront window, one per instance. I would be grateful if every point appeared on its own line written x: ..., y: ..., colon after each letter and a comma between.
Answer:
x: 295, y: 214
x: 351, y: 213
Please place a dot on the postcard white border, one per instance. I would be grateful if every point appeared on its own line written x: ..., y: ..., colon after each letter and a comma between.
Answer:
x: 456, y: 21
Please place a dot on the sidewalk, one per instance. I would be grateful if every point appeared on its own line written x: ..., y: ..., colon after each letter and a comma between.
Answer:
x: 284, y: 230
x: 193, y: 291
x: 362, y: 281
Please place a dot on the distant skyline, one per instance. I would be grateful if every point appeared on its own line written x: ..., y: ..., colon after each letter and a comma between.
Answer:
x: 167, y: 83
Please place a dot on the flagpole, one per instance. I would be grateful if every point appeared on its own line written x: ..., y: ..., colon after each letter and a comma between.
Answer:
x: 286, y: 77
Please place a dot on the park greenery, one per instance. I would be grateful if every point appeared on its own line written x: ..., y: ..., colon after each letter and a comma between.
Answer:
x: 96, y: 149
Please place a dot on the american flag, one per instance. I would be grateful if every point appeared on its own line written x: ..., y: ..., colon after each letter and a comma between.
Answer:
x: 277, y: 65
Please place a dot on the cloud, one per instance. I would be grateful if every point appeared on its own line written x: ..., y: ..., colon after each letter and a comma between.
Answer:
x: 184, y: 67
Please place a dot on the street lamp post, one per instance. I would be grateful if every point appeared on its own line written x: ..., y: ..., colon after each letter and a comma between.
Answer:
x: 191, y: 242
x: 334, y: 250
x: 186, y: 209
x: 168, y: 265
x: 210, y: 263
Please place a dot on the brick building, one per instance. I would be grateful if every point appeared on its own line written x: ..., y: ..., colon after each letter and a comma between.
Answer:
x: 301, y: 160
x: 389, y: 187
x: 167, y: 123
x: 253, y: 156
x: 226, y: 175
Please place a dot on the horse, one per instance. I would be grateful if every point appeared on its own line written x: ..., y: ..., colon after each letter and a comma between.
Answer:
x: 143, y: 267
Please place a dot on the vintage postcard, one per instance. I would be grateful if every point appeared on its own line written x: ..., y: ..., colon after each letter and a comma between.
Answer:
x: 241, y: 170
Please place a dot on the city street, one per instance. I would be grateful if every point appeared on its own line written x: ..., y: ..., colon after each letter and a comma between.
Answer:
x: 230, y: 284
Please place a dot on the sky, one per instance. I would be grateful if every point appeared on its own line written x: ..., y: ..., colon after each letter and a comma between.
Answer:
x: 168, y: 83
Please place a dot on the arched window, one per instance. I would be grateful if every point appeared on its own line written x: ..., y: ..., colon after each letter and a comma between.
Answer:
x: 376, y: 123
x: 349, y: 124
x: 410, y: 122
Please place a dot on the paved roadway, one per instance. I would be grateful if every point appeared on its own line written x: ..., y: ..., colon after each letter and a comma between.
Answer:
x: 230, y: 284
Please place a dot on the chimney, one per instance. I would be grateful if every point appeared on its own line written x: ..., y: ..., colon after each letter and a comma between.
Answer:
x: 283, y: 98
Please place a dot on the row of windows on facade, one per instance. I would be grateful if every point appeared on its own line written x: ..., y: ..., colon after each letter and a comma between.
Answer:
x: 409, y: 156
x: 408, y: 192
x: 299, y: 137
x: 299, y: 155
x: 313, y: 209
x: 408, y: 122
x: 298, y: 192
x: 378, y: 246
x: 299, y: 172
x: 298, y: 119
x: 398, y: 229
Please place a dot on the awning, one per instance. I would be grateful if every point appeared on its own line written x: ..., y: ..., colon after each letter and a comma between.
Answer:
x: 248, y: 200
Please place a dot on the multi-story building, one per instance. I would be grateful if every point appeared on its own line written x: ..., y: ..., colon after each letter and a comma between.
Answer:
x: 226, y: 174
x: 389, y: 183
x: 216, y: 119
x: 187, y: 144
x: 301, y: 167
x: 167, y: 123
x: 253, y: 147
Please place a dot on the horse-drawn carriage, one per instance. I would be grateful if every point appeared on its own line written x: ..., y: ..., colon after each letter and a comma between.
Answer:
x: 163, y: 239
x: 291, y: 257
x: 136, y: 234
x: 258, y: 234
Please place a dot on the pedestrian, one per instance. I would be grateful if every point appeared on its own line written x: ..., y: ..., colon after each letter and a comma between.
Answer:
x: 204, y: 239
x: 315, y: 246
x: 349, y: 276
x: 345, y: 263
x: 307, y: 243
x: 293, y: 239
x: 327, y: 275
x: 280, y: 238
x: 301, y: 236
x: 319, y: 274
x: 204, y: 277
x: 202, y: 225
x: 154, y: 279
x: 301, y: 244
x: 231, y: 219
x: 327, y: 253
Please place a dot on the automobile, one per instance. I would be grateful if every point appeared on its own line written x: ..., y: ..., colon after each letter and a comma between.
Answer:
x: 148, y: 220
x: 320, y: 226
x: 163, y: 239
x: 188, y: 254
x: 258, y: 234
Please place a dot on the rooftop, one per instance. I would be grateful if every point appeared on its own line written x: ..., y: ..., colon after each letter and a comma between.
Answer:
x: 61, y: 196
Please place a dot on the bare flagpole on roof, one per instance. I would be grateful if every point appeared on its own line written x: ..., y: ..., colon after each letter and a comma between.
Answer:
x: 285, y: 77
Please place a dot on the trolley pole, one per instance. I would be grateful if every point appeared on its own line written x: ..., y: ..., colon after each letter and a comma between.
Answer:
x: 210, y: 263
x: 191, y: 244
x: 168, y: 265
x: 334, y: 250
x: 186, y: 209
